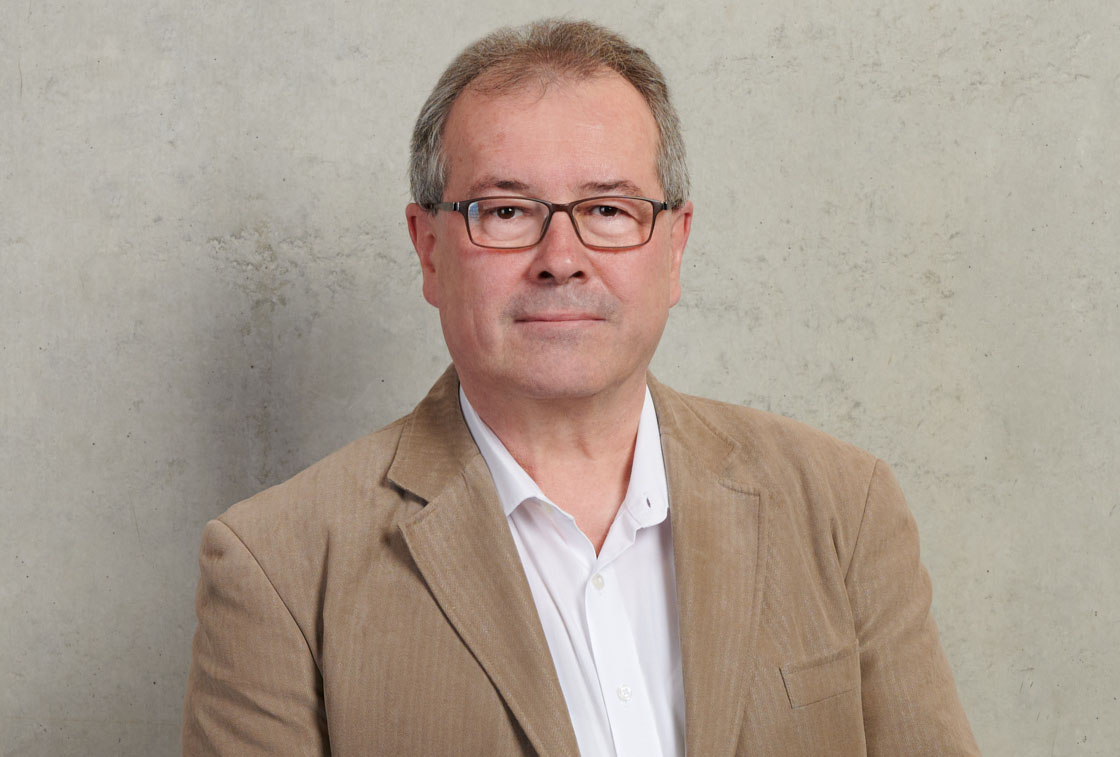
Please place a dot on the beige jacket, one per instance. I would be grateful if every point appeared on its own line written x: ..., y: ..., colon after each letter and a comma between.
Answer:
x: 375, y: 603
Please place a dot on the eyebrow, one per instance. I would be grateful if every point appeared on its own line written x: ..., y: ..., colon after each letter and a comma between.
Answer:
x: 493, y: 182
x: 489, y: 183
x: 613, y: 187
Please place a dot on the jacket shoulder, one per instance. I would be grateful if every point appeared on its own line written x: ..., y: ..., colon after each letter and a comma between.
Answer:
x: 775, y: 441
x: 813, y: 482
x: 347, y: 486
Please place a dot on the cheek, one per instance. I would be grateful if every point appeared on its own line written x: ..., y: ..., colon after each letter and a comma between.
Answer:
x: 649, y: 282
x: 489, y: 280
x: 477, y: 296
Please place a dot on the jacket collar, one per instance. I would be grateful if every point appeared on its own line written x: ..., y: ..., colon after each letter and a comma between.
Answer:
x: 462, y: 545
x: 718, y: 543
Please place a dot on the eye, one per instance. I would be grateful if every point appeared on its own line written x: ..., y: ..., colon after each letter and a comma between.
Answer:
x: 501, y: 210
x: 606, y: 211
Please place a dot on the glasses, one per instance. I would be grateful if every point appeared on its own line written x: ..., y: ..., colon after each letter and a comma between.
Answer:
x: 610, y: 222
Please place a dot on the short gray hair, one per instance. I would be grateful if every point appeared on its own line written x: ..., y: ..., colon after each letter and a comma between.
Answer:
x: 544, y: 51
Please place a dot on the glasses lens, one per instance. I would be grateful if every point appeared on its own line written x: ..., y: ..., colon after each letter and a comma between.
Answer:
x: 506, y: 221
x: 614, y: 221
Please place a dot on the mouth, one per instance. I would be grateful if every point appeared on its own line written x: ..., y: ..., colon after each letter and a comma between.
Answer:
x: 557, y: 318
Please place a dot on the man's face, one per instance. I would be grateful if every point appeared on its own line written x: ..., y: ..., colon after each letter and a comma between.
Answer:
x: 557, y: 320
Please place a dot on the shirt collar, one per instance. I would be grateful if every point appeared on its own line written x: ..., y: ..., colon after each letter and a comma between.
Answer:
x: 646, y: 500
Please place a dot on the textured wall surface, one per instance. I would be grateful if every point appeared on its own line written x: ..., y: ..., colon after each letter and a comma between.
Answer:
x: 906, y: 234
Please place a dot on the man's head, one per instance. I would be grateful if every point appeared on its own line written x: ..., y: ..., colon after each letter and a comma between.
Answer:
x: 537, y: 55
x: 558, y: 317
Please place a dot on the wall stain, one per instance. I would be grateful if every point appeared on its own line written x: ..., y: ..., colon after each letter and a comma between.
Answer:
x: 262, y: 275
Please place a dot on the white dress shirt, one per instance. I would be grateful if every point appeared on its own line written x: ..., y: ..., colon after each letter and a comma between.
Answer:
x: 610, y: 619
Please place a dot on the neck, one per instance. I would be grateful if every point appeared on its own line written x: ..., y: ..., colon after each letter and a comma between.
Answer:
x: 579, y: 450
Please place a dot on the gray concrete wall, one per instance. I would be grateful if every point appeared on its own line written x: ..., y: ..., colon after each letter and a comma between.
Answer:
x: 906, y: 233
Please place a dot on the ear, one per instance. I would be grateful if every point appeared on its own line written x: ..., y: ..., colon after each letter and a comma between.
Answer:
x: 678, y: 238
x: 422, y: 230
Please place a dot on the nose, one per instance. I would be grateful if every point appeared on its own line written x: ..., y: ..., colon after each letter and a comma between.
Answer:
x: 560, y: 256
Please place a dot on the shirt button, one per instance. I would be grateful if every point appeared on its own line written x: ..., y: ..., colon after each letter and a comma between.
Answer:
x: 598, y: 582
x: 625, y: 693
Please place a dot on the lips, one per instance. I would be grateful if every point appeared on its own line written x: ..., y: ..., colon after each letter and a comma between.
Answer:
x: 557, y: 317
x: 562, y: 306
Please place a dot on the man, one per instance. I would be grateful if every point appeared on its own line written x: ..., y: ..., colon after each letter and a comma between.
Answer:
x: 553, y: 553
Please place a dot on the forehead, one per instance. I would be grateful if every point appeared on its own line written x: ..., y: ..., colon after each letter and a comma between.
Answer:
x: 556, y: 137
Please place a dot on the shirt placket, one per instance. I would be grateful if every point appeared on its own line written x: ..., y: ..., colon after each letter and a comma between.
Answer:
x: 623, y: 686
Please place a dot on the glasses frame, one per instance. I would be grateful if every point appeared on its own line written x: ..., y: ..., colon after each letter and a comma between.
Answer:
x: 462, y: 207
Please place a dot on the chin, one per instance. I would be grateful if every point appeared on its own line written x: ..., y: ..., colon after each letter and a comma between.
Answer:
x: 566, y: 382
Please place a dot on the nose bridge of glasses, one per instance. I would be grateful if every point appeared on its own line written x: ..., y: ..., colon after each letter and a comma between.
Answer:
x: 564, y: 209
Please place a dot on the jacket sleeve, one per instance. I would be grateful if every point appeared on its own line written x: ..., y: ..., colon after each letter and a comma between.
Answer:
x: 910, y: 702
x: 254, y: 686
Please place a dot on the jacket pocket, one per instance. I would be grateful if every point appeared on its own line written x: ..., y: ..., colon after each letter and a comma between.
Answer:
x: 823, y: 677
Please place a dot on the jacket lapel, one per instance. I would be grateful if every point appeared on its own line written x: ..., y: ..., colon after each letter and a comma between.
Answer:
x: 718, y: 537
x: 463, y: 548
